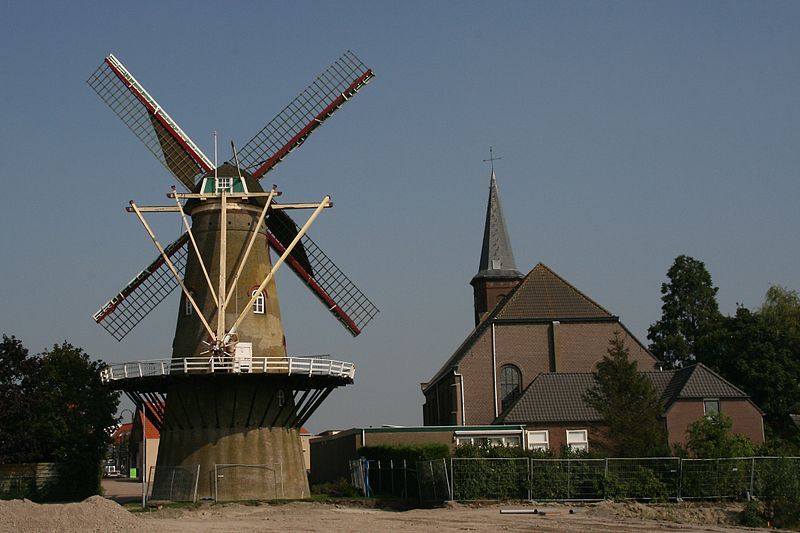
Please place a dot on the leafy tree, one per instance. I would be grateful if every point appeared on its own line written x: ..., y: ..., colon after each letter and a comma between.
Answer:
x: 711, y: 437
x: 759, y: 352
x: 689, y: 308
x: 55, y: 409
x: 628, y: 404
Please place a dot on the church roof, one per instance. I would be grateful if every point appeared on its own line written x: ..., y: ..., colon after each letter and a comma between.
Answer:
x: 558, y: 397
x: 542, y: 295
x: 497, y: 258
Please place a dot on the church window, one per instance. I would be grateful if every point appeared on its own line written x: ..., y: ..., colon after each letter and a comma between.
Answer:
x: 258, y: 304
x: 510, y: 385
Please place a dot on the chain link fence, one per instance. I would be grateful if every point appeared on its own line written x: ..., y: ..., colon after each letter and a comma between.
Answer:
x: 648, y: 479
x: 173, y: 483
x: 238, y: 482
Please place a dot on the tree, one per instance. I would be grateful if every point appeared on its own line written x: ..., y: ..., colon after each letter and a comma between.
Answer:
x: 628, y: 404
x: 689, y: 309
x: 55, y: 409
x: 711, y: 437
x: 759, y: 352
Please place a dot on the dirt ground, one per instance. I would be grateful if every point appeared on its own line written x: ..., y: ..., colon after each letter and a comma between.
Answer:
x: 101, y: 514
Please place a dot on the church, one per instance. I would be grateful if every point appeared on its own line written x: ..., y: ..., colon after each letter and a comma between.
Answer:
x: 529, y: 359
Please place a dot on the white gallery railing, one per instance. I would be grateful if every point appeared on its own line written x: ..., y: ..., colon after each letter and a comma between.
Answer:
x: 298, y: 366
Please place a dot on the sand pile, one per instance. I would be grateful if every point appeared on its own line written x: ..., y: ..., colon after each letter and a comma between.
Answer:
x: 92, y: 514
x: 685, y: 513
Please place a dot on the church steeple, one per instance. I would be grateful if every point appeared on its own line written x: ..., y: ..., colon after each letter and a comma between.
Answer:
x: 497, y: 271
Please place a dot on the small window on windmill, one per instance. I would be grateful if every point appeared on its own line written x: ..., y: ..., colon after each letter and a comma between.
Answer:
x: 224, y: 184
x: 188, y: 310
x: 496, y: 264
x: 258, y: 304
x: 281, y: 398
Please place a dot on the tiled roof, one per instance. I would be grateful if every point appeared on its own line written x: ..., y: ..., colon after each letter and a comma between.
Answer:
x: 555, y: 397
x: 543, y: 294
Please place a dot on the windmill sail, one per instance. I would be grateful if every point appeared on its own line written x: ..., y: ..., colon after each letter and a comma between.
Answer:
x: 148, y: 121
x: 328, y: 283
x: 143, y: 293
x: 290, y: 128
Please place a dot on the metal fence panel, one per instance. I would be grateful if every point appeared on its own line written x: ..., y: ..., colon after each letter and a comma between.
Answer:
x: 173, y: 483
x: 567, y: 479
x: 650, y: 478
x: 238, y: 482
x: 490, y: 478
x: 433, y: 481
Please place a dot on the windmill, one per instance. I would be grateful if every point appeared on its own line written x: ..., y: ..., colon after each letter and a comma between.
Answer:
x: 230, y: 394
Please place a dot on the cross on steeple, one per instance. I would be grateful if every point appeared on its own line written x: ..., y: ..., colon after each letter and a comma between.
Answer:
x: 492, y: 159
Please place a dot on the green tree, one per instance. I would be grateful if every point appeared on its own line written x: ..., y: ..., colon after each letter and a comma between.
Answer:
x: 55, y: 409
x: 689, y: 309
x: 628, y: 404
x: 759, y: 352
x: 711, y: 437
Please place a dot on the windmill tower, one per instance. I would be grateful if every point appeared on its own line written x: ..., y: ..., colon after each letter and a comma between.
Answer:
x: 229, y: 394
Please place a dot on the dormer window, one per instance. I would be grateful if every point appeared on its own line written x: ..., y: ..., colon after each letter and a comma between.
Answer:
x: 258, y: 304
x: 224, y: 184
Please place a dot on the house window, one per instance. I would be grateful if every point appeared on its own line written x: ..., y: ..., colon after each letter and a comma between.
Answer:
x: 578, y: 439
x: 538, y: 440
x: 224, y: 184
x: 258, y: 304
x: 187, y: 305
x: 510, y: 385
x: 488, y: 438
x: 710, y: 407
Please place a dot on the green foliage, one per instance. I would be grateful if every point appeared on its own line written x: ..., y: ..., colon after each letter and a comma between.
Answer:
x: 642, y: 484
x: 711, y: 437
x: 628, y: 404
x: 752, y: 515
x: 779, y: 491
x: 689, y: 308
x: 410, y: 453
x: 341, y: 488
x: 55, y: 409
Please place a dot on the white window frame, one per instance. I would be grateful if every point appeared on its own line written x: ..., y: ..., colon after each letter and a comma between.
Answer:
x: 224, y: 184
x: 539, y: 444
x: 708, y: 400
x: 188, y: 309
x: 579, y: 444
x: 260, y: 303
x: 510, y: 438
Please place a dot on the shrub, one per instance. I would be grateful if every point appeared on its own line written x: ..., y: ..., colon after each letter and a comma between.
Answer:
x: 752, y: 515
x: 341, y: 488
x: 410, y: 453
x: 780, y: 492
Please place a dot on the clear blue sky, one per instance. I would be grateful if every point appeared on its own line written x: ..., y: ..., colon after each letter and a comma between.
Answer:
x: 630, y: 132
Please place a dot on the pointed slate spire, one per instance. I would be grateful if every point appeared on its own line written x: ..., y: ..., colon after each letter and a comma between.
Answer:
x: 497, y: 273
x: 497, y: 258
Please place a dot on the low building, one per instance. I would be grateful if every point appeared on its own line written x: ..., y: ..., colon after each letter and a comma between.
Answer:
x: 332, y: 451
x: 554, y: 413
x: 144, y: 440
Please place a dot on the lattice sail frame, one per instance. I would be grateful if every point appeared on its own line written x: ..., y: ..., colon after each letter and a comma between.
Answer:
x: 149, y: 122
x: 144, y: 292
x: 326, y: 280
x: 162, y: 136
x: 290, y: 128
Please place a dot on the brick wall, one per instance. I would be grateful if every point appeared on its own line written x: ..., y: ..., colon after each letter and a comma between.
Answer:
x: 747, y: 420
x: 330, y: 456
x: 557, y: 433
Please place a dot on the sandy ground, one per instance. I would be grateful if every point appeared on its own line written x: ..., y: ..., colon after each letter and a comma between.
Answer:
x: 102, y: 514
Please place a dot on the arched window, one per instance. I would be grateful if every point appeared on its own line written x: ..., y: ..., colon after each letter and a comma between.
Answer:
x: 188, y: 309
x: 258, y: 304
x: 510, y: 385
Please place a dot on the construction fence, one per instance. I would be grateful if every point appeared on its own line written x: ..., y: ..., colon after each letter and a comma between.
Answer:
x: 231, y: 482
x: 647, y: 479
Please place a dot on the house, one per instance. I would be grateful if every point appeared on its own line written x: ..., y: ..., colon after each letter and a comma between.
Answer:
x: 555, y: 415
x: 525, y: 326
x: 144, y: 440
